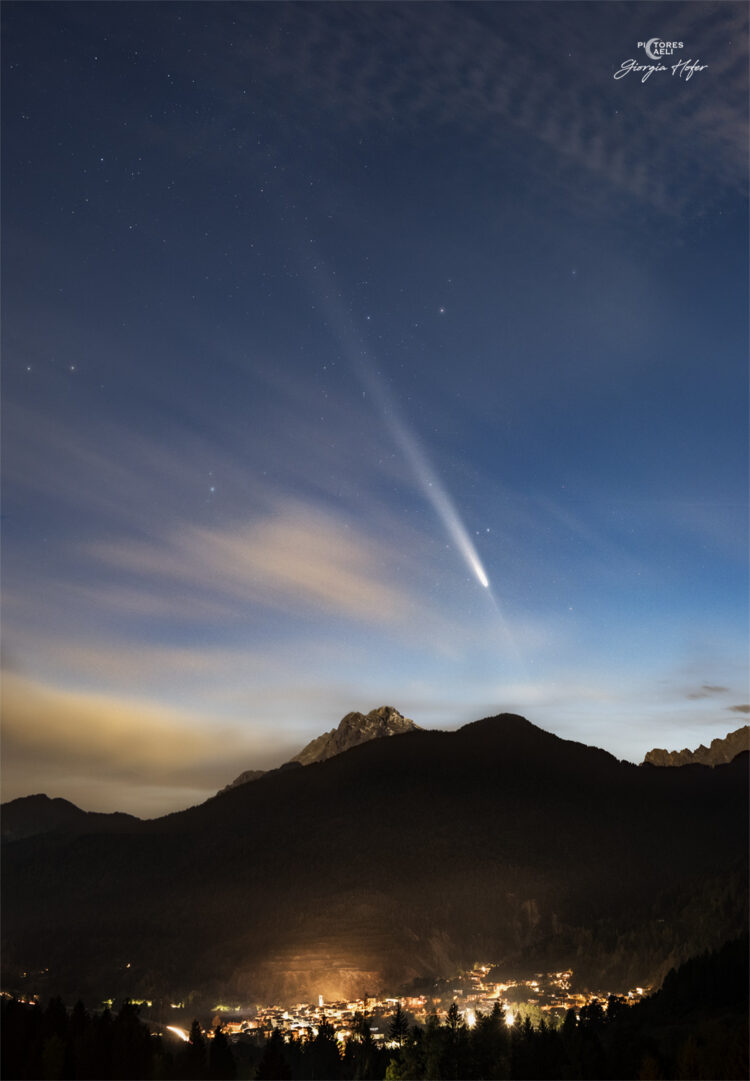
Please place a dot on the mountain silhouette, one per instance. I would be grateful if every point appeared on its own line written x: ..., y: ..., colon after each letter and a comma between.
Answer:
x: 396, y: 860
x: 31, y: 815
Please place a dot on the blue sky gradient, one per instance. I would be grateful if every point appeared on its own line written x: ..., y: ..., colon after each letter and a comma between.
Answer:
x: 254, y: 252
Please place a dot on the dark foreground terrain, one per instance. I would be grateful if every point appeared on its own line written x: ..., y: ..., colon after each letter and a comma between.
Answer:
x: 694, y: 1027
x: 399, y: 859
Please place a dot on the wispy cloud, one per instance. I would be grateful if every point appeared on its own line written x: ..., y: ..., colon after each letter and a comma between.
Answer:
x: 302, y: 525
x: 739, y: 709
x: 295, y: 559
x: 707, y: 690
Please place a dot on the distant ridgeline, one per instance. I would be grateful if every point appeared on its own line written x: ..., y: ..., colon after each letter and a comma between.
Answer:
x: 31, y: 815
x: 390, y: 861
x: 720, y: 752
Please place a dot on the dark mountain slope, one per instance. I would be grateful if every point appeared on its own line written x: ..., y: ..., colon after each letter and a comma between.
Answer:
x: 395, y: 859
x: 31, y: 815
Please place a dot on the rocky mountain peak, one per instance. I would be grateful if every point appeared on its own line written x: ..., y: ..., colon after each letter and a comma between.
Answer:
x: 353, y: 729
x: 720, y: 751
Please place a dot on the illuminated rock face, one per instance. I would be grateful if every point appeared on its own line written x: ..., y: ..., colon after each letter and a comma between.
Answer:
x: 354, y: 729
x: 720, y: 752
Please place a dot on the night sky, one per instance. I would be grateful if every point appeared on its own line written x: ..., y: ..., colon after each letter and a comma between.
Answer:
x: 316, y: 314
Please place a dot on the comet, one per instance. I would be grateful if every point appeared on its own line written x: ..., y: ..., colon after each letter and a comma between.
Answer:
x: 428, y: 480
x: 437, y: 496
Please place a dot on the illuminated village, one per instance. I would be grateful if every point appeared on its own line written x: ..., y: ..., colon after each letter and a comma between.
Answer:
x: 546, y: 995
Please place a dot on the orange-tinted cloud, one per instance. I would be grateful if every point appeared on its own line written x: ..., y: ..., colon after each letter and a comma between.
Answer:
x: 116, y: 753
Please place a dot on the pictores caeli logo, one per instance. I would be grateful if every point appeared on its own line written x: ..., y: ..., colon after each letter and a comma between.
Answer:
x: 656, y: 48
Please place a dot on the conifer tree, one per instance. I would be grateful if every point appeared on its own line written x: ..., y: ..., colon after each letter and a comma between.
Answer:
x: 193, y: 1057
x: 398, y: 1028
x: 221, y: 1066
x: 273, y: 1065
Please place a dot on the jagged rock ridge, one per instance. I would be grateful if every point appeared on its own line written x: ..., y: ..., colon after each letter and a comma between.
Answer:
x: 720, y: 751
x: 353, y: 729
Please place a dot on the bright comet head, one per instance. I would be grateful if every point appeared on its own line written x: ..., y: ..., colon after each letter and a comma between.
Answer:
x: 473, y: 560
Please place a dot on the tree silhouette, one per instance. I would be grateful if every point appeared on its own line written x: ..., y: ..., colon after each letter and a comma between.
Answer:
x: 273, y: 1065
x: 221, y: 1066
x: 131, y: 1044
x: 453, y: 1020
x: 192, y: 1064
x: 398, y: 1028
x: 616, y: 1004
x: 433, y: 1042
x: 322, y: 1058
x: 410, y: 1060
x: 489, y: 1042
x: 455, y: 1060
x: 362, y: 1059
